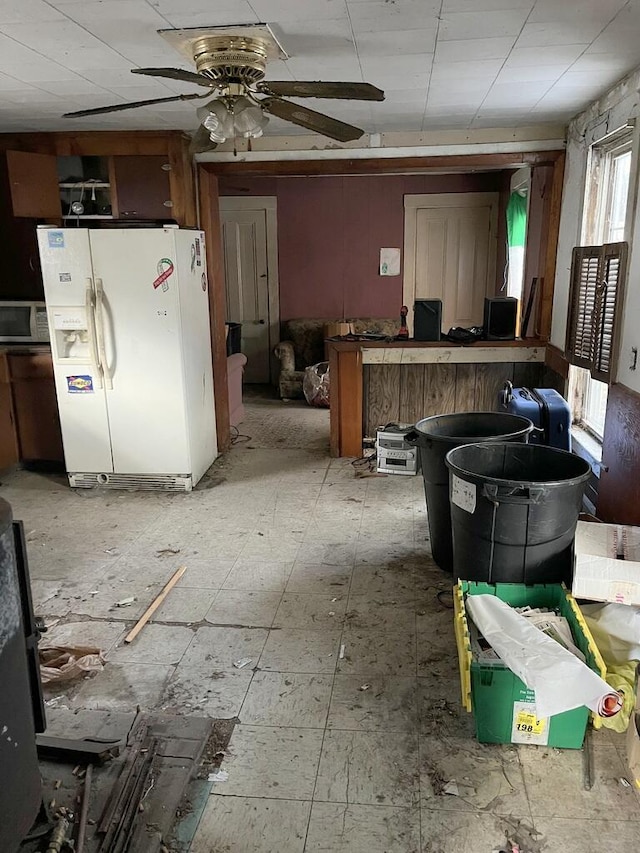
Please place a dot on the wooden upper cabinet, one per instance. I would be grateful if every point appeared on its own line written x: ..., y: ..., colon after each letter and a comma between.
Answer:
x: 33, y: 185
x: 142, y: 187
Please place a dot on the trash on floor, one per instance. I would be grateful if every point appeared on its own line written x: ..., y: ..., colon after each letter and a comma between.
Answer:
x: 65, y: 663
x: 506, y: 708
x: 155, y: 604
x: 616, y: 630
x: 124, y: 602
x: 561, y: 681
x: 239, y: 664
x: 218, y: 776
x: 315, y: 384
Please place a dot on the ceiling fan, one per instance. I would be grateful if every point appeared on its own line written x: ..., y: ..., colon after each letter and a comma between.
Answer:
x: 232, y: 68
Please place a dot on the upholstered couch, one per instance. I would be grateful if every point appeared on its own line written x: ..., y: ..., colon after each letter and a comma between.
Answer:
x: 302, y: 344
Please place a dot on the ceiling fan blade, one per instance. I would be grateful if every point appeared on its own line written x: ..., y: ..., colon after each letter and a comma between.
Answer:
x: 299, y: 89
x: 114, y: 108
x: 200, y: 141
x: 312, y: 120
x: 176, y: 74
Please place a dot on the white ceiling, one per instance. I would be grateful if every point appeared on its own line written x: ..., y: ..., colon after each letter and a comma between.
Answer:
x: 443, y: 64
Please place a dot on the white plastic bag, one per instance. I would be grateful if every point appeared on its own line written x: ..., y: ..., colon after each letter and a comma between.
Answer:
x: 616, y: 630
x: 316, y: 384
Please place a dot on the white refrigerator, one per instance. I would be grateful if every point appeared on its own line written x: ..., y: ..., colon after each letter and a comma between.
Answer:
x: 128, y: 314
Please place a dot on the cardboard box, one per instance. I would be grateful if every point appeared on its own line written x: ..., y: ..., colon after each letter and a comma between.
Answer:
x: 607, y: 563
x: 633, y: 743
x: 338, y: 330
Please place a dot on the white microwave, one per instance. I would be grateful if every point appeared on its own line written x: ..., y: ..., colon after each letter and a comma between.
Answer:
x: 23, y: 323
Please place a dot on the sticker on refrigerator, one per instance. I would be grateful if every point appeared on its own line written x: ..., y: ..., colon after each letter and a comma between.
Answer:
x: 64, y: 276
x: 463, y: 494
x: 80, y: 384
x: 204, y: 282
x: 198, y: 252
x: 193, y: 257
x: 527, y: 727
x: 165, y: 270
x: 56, y: 239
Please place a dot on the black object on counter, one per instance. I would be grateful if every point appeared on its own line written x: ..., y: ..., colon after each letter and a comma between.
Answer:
x: 427, y: 319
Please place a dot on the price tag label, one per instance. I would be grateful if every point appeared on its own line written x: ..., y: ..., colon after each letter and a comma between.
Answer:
x: 463, y: 494
x: 527, y: 726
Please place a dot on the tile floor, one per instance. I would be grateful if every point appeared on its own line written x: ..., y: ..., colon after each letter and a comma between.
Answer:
x: 349, y: 717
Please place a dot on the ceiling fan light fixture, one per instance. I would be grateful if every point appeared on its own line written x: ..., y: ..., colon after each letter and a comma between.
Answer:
x: 248, y: 118
x: 253, y: 134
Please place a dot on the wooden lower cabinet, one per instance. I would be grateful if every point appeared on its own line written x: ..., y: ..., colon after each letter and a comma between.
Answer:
x: 35, y: 406
x: 8, y: 434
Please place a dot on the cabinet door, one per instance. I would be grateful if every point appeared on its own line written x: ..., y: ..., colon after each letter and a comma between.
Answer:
x: 33, y: 184
x: 36, y: 408
x: 142, y: 187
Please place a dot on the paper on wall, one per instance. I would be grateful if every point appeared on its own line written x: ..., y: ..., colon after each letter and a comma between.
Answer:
x: 389, y: 261
x: 561, y: 682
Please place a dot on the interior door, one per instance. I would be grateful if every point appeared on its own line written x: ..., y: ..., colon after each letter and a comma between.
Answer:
x: 244, y: 241
x: 452, y: 257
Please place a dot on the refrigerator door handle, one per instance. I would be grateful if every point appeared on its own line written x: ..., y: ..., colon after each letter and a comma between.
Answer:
x: 91, y: 322
x: 108, y: 381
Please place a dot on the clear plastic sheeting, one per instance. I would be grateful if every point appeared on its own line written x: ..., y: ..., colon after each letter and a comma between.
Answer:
x: 315, y: 384
x: 560, y: 680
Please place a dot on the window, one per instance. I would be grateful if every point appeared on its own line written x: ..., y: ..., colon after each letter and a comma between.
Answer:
x: 598, y: 274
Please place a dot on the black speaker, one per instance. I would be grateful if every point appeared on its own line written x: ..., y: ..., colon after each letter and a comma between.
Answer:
x: 500, y: 317
x: 427, y: 319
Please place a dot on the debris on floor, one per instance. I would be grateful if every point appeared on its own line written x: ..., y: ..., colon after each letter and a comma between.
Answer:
x: 155, y: 604
x: 60, y: 664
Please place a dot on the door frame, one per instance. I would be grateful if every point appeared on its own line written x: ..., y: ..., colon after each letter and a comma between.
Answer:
x: 269, y: 204
x: 421, y: 201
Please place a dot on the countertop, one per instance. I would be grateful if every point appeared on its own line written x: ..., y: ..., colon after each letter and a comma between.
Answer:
x: 443, y: 352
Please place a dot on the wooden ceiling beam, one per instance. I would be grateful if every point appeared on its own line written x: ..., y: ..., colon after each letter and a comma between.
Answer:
x: 382, y: 165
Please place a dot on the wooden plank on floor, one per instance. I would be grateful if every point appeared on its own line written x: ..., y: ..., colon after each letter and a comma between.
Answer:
x: 490, y: 380
x: 465, y: 388
x: 411, y: 392
x: 439, y: 389
x: 383, y: 397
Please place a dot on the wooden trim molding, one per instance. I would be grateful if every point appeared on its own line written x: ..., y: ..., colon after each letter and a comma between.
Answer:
x: 382, y: 165
x: 553, y: 228
x: 210, y: 224
x: 554, y: 359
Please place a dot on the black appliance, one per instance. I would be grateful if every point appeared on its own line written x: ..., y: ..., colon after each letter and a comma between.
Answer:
x: 427, y: 319
x: 21, y: 707
x: 500, y: 318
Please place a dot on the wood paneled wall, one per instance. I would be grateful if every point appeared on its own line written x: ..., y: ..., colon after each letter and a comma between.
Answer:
x: 619, y: 490
x: 395, y: 393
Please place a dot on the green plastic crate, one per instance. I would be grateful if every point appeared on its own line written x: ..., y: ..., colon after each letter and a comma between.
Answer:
x: 500, y: 701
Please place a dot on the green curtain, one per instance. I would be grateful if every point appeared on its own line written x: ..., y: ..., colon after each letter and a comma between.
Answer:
x: 516, y: 220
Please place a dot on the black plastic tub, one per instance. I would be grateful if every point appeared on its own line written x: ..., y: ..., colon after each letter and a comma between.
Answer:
x: 435, y: 437
x: 514, y: 510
